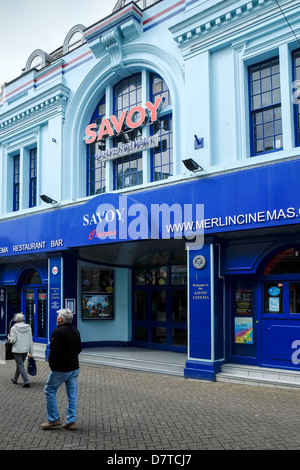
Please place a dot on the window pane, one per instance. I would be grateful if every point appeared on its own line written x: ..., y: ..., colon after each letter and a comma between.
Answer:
x: 162, y: 156
x: 140, y: 305
x: 179, y: 337
x: 273, y: 298
x: 159, y: 88
x: 128, y: 171
x: 159, y: 335
x: 265, y: 106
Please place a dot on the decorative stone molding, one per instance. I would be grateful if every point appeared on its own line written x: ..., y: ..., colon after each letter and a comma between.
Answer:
x: 109, y: 34
x: 112, y: 43
x: 59, y: 97
x: 211, y: 23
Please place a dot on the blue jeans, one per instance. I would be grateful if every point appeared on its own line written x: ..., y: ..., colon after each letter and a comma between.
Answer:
x: 55, y: 380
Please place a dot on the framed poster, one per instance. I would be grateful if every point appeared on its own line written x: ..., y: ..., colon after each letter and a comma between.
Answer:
x: 243, y: 302
x: 97, y: 294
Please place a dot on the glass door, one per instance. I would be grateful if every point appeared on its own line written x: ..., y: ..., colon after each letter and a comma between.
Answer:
x: 243, y: 323
x: 160, y: 309
x: 35, y: 311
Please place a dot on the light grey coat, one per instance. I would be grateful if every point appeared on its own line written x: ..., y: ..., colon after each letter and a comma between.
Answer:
x: 21, y: 337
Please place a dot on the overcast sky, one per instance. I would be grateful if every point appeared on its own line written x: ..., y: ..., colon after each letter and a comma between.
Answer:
x: 26, y: 25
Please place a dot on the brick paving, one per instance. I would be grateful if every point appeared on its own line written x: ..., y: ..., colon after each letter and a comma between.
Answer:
x: 125, y: 410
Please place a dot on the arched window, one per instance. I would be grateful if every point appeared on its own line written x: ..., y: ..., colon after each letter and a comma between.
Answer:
x: 129, y: 147
x: 36, y: 62
x: 74, y: 38
x: 285, y: 262
x: 38, y: 59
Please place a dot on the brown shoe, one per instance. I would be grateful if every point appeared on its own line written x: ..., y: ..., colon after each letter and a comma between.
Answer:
x: 51, y: 424
x: 70, y: 426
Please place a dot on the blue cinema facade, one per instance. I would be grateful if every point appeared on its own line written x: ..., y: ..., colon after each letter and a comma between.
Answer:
x: 176, y: 230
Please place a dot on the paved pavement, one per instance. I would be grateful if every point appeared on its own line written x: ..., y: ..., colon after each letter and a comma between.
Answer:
x: 128, y: 410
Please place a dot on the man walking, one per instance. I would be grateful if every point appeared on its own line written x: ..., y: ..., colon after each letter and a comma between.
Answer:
x: 65, y: 347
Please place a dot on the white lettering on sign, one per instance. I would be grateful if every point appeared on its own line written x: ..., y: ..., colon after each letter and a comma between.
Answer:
x: 29, y: 246
x: 3, y: 249
x: 137, y: 145
x: 133, y: 119
x: 99, y: 217
x: 55, y: 243
x: 296, y: 355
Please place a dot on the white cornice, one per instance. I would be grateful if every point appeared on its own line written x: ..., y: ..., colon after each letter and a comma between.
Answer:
x: 57, y: 95
x: 213, y: 30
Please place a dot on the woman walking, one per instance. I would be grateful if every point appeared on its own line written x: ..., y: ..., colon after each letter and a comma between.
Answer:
x: 21, y: 338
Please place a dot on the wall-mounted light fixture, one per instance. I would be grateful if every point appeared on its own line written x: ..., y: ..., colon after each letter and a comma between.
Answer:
x: 47, y: 199
x: 191, y: 165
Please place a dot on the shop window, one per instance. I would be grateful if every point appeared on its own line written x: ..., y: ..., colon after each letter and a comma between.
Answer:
x: 273, y: 296
x: 151, y: 276
x: 265, y: 107
x: 178, y: 274
x: 97, y: 294
x: 296, y: 100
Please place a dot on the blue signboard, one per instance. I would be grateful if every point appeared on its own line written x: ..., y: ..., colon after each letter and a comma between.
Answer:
x: 55, y: 292
x: 230, y: 202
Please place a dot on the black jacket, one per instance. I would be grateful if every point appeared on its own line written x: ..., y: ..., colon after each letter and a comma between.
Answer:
x: 65, y: 347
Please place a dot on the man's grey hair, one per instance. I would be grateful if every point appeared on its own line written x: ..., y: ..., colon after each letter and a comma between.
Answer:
x: 65, y: 314
x: 19, y: 317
